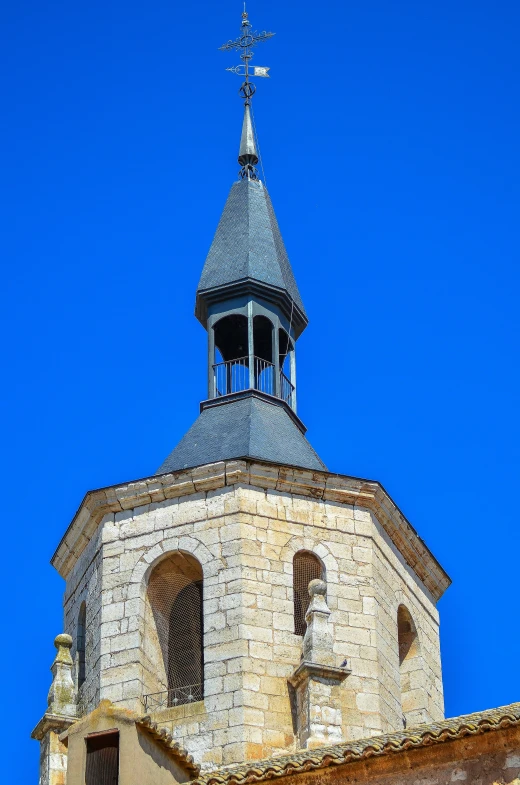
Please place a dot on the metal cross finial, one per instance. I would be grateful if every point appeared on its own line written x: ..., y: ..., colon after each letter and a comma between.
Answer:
x: 244, y: 44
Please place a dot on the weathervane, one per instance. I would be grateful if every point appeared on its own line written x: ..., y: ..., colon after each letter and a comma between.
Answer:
x: 244, y: 44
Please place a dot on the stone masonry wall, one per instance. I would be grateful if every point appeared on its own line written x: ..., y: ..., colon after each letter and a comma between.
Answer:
x: 245, y: 539
x: 425, y: 702
x: 84, y: 585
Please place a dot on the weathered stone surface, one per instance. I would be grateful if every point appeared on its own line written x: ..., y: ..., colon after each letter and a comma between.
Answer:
x: 245, y: 539
x: 60, y: 714
x: 317, y: 678
x: 481, y: 749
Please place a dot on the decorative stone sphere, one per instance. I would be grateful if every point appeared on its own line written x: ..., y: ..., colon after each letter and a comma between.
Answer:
x: 63, y: 640
x: 317, y: 586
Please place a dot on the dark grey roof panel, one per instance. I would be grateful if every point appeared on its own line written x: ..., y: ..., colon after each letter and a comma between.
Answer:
x: 248, y: 244
x: 245, y: 428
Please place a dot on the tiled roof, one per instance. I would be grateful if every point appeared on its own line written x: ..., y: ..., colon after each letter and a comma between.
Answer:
x: 166, y: 740
x: 249, y: 427
x: 322, y: 757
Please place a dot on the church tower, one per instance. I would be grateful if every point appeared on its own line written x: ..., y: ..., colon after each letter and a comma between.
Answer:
x: 242, y: 602
x: 248, y: 301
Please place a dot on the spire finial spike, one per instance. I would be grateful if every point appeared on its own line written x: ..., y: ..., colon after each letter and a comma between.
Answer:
x: 247, y: 155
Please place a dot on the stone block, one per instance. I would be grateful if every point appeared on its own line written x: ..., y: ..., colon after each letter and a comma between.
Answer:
x: 367, y: 702
x: 249, y: 698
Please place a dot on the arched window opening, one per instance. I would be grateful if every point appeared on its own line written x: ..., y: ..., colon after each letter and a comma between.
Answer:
x: 231, y: 361
x: 306, y: 568
x: 263, y: 351
x: 286, y: 346
x: 175, y: 597
x: 80, y: 643
x: 231, y: 337
x: 263, y: 338
x: 409, y: 660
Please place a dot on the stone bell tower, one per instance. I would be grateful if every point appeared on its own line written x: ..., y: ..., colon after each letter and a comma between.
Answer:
x: 243, y: 599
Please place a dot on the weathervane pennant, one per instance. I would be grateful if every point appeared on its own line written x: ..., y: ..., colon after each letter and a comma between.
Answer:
x: 245, y: 43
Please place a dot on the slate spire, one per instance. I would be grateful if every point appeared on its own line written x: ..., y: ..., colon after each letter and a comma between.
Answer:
x: 248, y: 256
x: 248, y: 301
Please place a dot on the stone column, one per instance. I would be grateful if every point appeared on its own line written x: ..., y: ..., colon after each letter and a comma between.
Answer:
x: 60, y: 714
x: 317, y: 678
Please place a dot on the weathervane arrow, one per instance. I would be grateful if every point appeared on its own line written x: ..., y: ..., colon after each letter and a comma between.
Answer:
x: 258, y: 70
x: 244, y: 44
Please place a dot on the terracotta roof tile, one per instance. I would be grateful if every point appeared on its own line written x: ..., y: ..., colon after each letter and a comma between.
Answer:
x: 322, y: 757
x: 166, y: 740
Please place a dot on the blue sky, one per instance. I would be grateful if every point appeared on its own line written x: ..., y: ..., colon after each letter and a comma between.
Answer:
x: 389, y: 134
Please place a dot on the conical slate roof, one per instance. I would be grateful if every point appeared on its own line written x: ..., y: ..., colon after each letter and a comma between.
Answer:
x: 248, y: 427
x: 248, y: 246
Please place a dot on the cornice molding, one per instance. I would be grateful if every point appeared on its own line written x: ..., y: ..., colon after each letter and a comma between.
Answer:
x: 313, y: 670
x: 304, y: 482
x: 255, y: 288
x: 51, y: 722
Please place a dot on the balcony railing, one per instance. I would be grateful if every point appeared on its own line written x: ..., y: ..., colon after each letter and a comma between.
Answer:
x: 286, y: 389
x: 234, y: 376
x: 174, y: 697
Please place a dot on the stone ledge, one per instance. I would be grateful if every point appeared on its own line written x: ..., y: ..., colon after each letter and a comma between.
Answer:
x: 307, y: 670
x: 51, y: 722
x: 320, y: 485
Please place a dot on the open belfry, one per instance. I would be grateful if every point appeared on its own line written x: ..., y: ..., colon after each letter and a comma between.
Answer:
x: 243, y: 614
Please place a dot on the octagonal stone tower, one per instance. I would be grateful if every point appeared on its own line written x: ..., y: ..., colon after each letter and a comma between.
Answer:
x: 186, y: 592
x: 244, y: 523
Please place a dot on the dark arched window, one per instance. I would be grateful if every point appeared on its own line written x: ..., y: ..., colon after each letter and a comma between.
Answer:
x: 306, y: 567
x: 80, y: 643
x: 175, y: 596
x: 263, y: 351
x: 409, y: 660
x: 231, y: 361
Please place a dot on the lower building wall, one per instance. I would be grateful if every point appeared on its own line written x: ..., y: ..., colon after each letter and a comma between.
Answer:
x: 141, y: 760
x: 486, y: 759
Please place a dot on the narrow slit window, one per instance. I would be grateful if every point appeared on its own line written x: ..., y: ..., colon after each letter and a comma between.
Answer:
x: 409, y: 665
x: 102, y: 759
x: 306, y: 567
x: 80, y: 643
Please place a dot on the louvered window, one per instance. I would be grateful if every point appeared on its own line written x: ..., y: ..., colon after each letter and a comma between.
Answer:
x: 102, y: 759
x: 306, y: 567
x: 175, y: 595
x: 80, y: 643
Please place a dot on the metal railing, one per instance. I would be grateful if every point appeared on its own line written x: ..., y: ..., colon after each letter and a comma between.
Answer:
x: 286, y: 389
x: 174, y: 697
x: 264, y: 376
x: 234, y: 376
